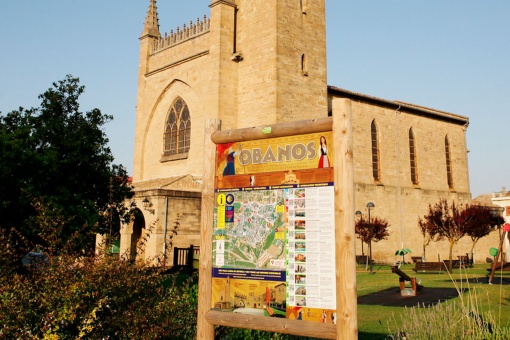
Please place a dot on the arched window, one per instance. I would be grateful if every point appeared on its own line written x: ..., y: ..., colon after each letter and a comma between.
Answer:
x: 412, y: 157
x: 376, y: 166
x: 177, y: 129
x: 448, y: 155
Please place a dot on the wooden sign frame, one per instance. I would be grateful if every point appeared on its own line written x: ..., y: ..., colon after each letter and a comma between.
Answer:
x: 346, y: 298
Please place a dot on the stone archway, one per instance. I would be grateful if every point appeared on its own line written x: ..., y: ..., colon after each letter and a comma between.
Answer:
x: 137, y: 239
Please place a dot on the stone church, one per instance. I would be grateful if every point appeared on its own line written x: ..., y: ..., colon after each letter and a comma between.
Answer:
x: 251, y: 63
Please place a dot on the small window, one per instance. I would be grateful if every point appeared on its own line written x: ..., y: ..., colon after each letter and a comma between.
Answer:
x: 412, y: 157
x: 304, y: 64
x: 304, y: 6
x: 376, y: 166
x: 178, y: 129
x: 449, y: 175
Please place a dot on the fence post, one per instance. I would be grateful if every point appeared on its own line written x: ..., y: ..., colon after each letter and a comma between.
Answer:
x: 189, y: 260
x: 176, y: 256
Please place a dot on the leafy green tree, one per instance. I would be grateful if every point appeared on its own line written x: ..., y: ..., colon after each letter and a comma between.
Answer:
x: 58, y: 156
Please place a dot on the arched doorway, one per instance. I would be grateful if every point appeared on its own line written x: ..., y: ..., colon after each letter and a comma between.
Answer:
x: 137, y: 246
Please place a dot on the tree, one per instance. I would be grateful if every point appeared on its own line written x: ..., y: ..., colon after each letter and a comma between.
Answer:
x: 441, y: 223
x: 452, y: 222
x: 374, y: 230
x: 58, y: 156
x: 428, y: 231
x: 480, y: 222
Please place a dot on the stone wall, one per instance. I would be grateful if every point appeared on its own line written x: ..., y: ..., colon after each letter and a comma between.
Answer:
x: 395, y: 197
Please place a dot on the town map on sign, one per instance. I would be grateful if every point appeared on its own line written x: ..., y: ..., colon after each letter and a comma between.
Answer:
x: 256, y: 237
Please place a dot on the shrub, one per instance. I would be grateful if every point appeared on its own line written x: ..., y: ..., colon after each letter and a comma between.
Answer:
x: 97, y: 298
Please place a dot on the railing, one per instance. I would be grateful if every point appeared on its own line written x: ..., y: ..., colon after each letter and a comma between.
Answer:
x: 187, y: 32
x: 184, y: 258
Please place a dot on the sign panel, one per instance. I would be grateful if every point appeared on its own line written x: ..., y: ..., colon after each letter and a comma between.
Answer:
x: 274, y: 233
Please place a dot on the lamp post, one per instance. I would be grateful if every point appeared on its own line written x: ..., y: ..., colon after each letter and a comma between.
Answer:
x: 370, y: 206
x: 360, y: 216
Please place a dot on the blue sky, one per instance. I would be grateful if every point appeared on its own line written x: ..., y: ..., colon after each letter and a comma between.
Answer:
x: 449, y: 55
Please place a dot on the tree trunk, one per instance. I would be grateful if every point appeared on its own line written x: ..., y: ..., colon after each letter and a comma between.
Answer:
x: 451, y: 256
x: 366, y: 260
x: 473, y: 249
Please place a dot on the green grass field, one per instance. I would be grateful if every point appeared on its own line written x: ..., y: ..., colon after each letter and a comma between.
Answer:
x: 467, y: 287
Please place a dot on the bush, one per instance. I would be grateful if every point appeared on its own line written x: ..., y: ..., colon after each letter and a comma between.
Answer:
x: 96, y: 298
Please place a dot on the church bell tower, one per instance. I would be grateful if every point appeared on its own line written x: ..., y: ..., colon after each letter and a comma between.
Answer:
x: 249, y: 63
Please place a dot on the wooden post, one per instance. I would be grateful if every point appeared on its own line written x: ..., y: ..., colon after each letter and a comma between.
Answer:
x: 176, y: 257
x: 414, y: 285
x: 345, y: 255
x: 280, y: 130
x: 205, y: 330
x: 402, y: 284
x: 189, y: 260
x: 346, y: 298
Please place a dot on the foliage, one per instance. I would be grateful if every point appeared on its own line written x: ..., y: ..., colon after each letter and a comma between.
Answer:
x: 58, y: 155
x: 481, y: 221
x: 97, y: 298
x: 92, y: 297
x: 374, y: 231
x: 452, y: 222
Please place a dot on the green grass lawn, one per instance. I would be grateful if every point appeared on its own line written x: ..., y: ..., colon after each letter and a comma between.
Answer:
x: 373, y: 319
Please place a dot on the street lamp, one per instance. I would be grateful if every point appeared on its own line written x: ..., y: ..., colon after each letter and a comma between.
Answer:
x: 370, y: 206
x: 147, y: 205
x: 359, y: 214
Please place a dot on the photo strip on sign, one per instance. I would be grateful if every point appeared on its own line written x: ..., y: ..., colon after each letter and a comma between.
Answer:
x: 274, y: 233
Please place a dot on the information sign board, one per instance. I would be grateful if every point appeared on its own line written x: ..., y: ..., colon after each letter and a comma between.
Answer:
x: 273, y: 251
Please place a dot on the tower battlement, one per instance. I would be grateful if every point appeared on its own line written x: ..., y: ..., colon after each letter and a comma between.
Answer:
x: 182, y: 34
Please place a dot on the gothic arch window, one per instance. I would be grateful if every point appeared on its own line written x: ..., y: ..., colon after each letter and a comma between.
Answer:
x: 448, y: 155
x: 177, y: 129
x: 412, y: 157
x: 376, y: 164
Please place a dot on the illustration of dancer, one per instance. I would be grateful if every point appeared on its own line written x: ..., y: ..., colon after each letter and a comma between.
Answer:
x: 230, y: 168
x: 323, y: 149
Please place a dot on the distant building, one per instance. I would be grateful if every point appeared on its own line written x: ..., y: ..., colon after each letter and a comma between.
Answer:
x: 254, y: 63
